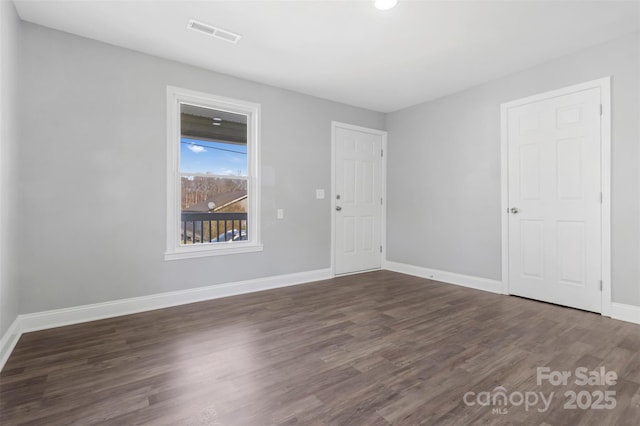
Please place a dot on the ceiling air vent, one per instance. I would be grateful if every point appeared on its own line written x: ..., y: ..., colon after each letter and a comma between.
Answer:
x: 212, y: 31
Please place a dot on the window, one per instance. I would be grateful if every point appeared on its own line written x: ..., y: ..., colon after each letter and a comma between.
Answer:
x: 212, y: 169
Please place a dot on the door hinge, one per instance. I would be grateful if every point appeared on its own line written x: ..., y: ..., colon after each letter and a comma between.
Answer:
x: 600, y: 109
x: 600, y: 285
x: 601, y: 197
x: 382, y: 153
x: 380, y: 249
x: 381, y: 203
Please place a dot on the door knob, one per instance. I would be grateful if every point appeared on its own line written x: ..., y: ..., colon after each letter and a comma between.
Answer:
x: 514, y: 210
x: 338, y: 208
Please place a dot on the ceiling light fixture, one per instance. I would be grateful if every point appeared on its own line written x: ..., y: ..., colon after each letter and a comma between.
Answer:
x: 385, y: 4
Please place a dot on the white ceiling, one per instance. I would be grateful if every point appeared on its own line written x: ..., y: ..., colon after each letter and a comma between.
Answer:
x: 346, y: 50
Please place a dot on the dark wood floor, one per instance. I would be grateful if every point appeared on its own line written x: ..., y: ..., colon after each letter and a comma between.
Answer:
x: 372, y: 349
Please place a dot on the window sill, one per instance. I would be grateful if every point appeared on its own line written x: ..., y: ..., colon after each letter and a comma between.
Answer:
x: 207, y: 251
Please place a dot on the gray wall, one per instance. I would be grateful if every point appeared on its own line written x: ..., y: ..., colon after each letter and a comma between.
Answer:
x: 93, y: 178
x: 9, y: 39
x: 444, y: 168
x: 92, y: 173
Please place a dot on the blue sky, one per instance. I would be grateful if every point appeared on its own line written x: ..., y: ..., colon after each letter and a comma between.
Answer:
x: 198, y: 156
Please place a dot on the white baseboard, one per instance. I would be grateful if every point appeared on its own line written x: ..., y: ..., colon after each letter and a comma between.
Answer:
x: 623, y: 312
x: 60, y: 317
x: 8, y: 342
x: 485, y: 284
x: 619, y: 311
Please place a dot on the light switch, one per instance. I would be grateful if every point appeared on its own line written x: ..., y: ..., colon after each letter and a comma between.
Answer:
x: 280, y: 214
x: 320, y: 194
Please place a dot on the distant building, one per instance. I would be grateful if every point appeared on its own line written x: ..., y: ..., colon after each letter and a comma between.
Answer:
x: 226, y: 202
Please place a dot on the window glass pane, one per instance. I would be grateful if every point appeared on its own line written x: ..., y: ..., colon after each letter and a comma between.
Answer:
x: 213, y: 170
x: 212, y: 158
x: 212, y: 141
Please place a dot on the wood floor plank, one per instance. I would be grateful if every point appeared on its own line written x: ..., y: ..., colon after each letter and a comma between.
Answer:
x: 379, y: 348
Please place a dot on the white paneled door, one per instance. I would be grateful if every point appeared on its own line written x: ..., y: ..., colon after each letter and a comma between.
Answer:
x: 554, y: 199
x: 358, y: 199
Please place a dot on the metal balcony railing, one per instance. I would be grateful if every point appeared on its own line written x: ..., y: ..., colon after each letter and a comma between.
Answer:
x: 199, y: 228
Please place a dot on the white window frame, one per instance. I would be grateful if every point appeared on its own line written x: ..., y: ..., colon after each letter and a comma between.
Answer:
x: 174, y: 250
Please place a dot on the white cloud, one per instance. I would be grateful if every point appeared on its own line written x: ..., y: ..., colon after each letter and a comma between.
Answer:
x: 196, y: 148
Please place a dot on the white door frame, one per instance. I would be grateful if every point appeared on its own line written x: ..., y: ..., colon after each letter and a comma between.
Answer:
x: 604, y: 84
x: 383, y: 222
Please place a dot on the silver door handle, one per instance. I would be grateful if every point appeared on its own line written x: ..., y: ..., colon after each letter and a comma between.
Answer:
x: 514, y: 210
x: 338, y: 208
